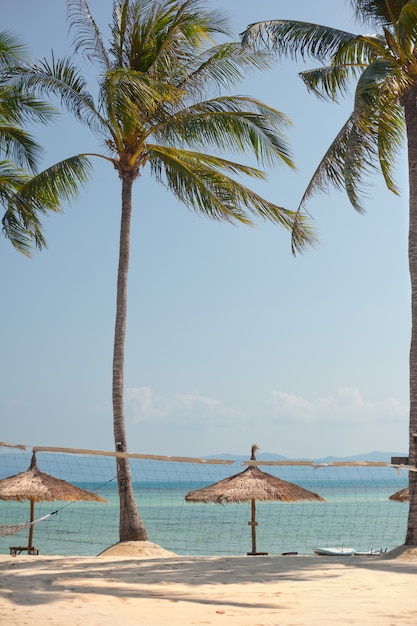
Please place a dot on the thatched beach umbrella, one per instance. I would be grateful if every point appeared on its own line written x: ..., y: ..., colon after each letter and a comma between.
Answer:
x: 250, y: 485
x: 402, y: 495
x: 35, y: 486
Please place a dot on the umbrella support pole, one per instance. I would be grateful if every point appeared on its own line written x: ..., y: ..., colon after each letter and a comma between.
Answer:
x: 34, y: 485
x: 29, y: 548
x: 248, y: 486
x: 253, y: 523
x: 32, y: 517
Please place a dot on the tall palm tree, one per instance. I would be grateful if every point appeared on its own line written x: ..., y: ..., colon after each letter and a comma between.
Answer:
x: 154, y: 110
x: 383, y: 67
x: 24, y: 193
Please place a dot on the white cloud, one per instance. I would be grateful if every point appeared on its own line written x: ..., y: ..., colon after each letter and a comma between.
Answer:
x: 184, y: 408
x: 190, y: 423
x: 346, y: 405
x: 145, y: 404
x: 190, y: 401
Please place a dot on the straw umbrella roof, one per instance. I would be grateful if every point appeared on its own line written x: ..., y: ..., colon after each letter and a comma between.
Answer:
x: 401, y: 496
x: 249, y: 486
x: 252, y: 484
x: 37, y: 486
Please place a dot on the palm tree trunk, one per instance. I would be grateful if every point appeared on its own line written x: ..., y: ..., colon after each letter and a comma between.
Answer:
x: 409, y: 102
x: 131, y: 527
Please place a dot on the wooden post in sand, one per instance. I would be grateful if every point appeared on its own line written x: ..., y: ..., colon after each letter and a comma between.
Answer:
x: 32, y: 516
x: 253, y: 523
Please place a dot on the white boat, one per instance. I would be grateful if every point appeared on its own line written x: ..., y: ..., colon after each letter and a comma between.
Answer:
x: 334, y: 551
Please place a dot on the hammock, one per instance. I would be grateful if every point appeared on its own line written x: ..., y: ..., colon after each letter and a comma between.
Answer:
x: 12, y: 529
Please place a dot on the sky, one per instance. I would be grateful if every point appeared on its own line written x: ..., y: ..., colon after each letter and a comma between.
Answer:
x: 230, y: 339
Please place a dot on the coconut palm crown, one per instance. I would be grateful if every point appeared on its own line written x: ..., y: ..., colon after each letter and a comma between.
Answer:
x: 383, y: 67
x: 25, y: 194
x: 160, y: 105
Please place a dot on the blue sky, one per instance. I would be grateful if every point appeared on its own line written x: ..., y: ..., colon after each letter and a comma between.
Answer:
x: 230, y: 340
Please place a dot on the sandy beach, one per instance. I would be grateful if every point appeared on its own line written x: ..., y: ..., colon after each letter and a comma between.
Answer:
x: 179, y: 591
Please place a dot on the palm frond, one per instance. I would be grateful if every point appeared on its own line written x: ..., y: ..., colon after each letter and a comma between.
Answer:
x: 200, y: 183
x: 88, y: 38
x: 18, y: 228
x: 329, y: 82
x: 233, y: 123
x: 183, y: 28
x: 406, y: 28
x: 19, y: 146
x: 154, y: 37
x: 57, y: 184
x: 360, y: 50
x: 372, y: 79
x: 30, y: 197
x: 178, y: 29
x: 391, y: 134
x: 382, y: 66
x: 379, y: 114
x: 17, y: 108
x: 346, y: 65
x: 23, y: 237
x: 351, y: 156
x: 360, y: 160
x: 64, y: 80
x: 210, y: 160
x: 223, y: 66
x: 11, y: 179
x: 12, y: 51
x: 296, y: 39
x: 133, y: 100
x: 330, y: 171
x: 379, y: 13
x: 335, y: 170
x: 20, y: 107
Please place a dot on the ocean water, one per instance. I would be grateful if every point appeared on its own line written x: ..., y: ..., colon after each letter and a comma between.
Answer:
x: 357, y: 513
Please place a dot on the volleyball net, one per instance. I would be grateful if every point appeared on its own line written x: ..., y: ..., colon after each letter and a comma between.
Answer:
x: 357, y: 511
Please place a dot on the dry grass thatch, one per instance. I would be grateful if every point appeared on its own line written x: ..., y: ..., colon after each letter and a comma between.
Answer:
x: 37, y: 486
x: 251, y: 484
x: 401, y: 496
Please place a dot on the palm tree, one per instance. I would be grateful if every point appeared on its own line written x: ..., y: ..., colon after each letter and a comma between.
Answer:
x: 384, y: 68
x: 25, y: 194
x: 154, y: 110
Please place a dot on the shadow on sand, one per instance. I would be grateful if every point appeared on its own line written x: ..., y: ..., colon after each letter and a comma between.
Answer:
x: 40, y: 579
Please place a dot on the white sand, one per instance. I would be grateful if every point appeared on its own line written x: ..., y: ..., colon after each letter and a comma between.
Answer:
x: 180, y: 591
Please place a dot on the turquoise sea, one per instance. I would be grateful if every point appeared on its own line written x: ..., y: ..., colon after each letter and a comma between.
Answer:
x: 357, y: 513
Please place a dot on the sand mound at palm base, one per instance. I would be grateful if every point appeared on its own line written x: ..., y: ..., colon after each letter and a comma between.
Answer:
x: 138, y: 549
x: 403, y: 553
